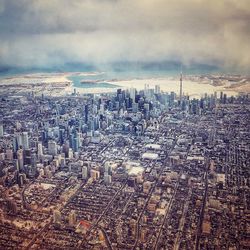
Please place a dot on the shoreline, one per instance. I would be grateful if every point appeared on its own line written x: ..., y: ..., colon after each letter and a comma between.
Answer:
x: 60, y: 84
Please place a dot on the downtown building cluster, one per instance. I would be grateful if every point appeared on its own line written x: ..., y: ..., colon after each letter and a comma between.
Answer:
x: 127, y: 170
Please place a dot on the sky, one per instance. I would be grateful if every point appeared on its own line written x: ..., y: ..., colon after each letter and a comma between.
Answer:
x: 48, y: 33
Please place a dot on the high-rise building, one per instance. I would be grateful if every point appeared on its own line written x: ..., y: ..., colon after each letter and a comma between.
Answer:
x: 132, y: 94
x: 33, y: 160
x: 21, y: 180
x: 135, y: 107
x: 102, y: 108
x: 86, y: 113
x: 171, y: 98
x: 157, y: 89
x: 76, y: 142
x: 40, y: 150
x: 20, y: 158
x: 61, y: 136
x: 1, y: 130
x: 70, y: 153
x: 85, y: 172
x: 14, y: 144
x: 25, y: 140
x: 71, y: 140
x: 52, y: 147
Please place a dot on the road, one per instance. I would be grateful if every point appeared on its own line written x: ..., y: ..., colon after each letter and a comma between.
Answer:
x: 166, y: 215
x: 51, y: 220
x: 182, y: 221
x: 199, y: 228
x: 93, y: 226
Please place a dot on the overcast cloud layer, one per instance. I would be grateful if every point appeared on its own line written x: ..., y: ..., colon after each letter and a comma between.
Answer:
x: 45, y: 33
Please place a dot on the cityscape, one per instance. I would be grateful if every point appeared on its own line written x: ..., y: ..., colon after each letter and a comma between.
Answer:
x: 124, y: 125
x: 131, y: 169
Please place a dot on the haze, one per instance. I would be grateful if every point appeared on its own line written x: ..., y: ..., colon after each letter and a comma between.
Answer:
x: 45, y: 33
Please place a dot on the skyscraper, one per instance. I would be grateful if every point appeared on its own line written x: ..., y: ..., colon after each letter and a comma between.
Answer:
x: 181, y: 89
x: 157, y: 89
x: 132, y: 93
x: 52, y: 148
x: 25, y: 140
x: 1, y: 130
x: 40, y: 150
x: 86, y: 113
x: 20, y: 159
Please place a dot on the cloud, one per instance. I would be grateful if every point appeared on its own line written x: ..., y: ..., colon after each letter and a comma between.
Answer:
x: 47, y: 33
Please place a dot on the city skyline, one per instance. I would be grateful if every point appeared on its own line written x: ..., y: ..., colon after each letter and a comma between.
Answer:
x: 130, y: 169
x: 124, y: 125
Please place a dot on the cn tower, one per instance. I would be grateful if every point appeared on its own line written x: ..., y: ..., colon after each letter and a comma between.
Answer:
x: 181, y: 88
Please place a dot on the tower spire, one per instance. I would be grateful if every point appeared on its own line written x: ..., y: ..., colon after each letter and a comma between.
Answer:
x: 181, y: 86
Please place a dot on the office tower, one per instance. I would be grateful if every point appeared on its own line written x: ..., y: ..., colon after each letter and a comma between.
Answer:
x: 146, y: 106
x: 221, y: 96
x: 86, y: 113
x: 85, y: 172
x: 25, y: 140
x: 71, y: 140
x: 1, y: 130
x: 96, y: 123
x: 27, y: 156
x: 21, y: 180
x: 95, y: 109
x: 132, y: 94
x: 75, y: 144
x: 19, y: 140
x: 71, y: 153
x: 135, y: 107
x: 118, y: 94
x: 102, y: 108
x: 33, y: 160
x: 52, y: 148
x: 146, y: 110
x: 14, y: 144
x: 40, y: 150
x: 224, y: 99
x: 15, y: 163
x: 20, y: 158
x: 117, y: 105
x: 44, y: 136
x: 157, y: 89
